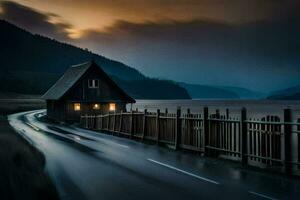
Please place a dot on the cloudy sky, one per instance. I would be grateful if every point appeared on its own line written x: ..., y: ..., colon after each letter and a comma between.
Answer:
x: 248, y: 43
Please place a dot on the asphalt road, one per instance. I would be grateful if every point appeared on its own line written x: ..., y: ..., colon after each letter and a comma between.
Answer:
x: 90, y: 165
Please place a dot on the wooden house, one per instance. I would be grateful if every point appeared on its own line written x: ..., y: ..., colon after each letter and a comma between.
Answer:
x: 84, y: 89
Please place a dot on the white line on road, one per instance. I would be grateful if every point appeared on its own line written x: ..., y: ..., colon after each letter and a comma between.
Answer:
x: 262, y: 195
x: 184, y: 172
x: 32, y: 126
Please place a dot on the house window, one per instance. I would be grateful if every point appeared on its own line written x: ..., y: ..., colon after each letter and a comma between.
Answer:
x: 93, y: 83
x: 112, y: 107
x: 77, y: 106
x: 96, y: 106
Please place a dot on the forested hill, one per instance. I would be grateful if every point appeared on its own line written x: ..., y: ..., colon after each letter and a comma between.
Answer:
x: 31, y: 63
x: 292, y: 93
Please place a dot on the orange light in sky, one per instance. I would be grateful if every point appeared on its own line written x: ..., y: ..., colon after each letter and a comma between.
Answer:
x: 73, y: 33
x: 97, y: 15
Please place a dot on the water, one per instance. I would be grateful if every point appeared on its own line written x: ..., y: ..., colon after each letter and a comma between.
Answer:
x: 255, y: 108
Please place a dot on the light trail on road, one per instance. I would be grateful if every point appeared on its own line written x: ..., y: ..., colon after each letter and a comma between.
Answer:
x: 85, y: 164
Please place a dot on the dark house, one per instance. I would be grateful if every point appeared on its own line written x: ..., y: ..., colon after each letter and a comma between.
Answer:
x: 84, y: 89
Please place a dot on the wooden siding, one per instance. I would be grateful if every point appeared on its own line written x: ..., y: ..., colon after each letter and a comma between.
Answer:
x: 63, y: 109
x: 82, y: 93
x: 56, y: 110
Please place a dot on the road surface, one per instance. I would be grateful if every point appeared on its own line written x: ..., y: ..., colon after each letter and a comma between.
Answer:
x: 89, y: 165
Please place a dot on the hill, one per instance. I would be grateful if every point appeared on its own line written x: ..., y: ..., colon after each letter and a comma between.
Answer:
x: 30, y: 64
x: 220, y: 92
x: 211, y: 92
x: 243, y: 93
x: 291, y: 93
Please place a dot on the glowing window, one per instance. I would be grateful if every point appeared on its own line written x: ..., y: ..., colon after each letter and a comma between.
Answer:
x: 76, y: 106
x: 96, y: 106
x: 112, y: 107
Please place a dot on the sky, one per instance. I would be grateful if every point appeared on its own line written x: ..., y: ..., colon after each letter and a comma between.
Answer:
x: 248, y: 43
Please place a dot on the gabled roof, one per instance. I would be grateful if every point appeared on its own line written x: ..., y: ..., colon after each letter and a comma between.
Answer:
x: 72, y: 75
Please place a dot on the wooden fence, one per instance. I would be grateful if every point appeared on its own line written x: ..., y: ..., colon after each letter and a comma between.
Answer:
x: 264, y: 142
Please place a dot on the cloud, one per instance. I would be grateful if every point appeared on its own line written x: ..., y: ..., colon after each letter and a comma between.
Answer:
x: 34, y: 21
x: 262, y: 38
x: 206, y: 52
x: 194, y: 50
x: 107, y: 11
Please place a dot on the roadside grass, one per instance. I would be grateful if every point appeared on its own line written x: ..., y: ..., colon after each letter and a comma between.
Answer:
x: 22, y: 174
x: 18, y: 105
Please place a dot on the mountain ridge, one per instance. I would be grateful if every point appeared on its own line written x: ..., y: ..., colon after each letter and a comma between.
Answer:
x: 32, y: 63
x: 199, y: 91
x: 290, y: 93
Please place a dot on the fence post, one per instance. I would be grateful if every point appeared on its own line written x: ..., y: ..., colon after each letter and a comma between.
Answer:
x: 131, y: 124
x: 188, y: 111
x: 157, y: 125
x: 121, y: 120
x: 215, y: 152
x: 244, y: 133
x: 205, y: 131
x: 108, y: 121
x: 99, y: 122
x: 177, y: 128
x: 144, y: 124
x: 114, y: 124
x: 102, y: 127
x: 287, y: 140
x: 86, y: 121
x: 188, y: 122
x: 94, y: 122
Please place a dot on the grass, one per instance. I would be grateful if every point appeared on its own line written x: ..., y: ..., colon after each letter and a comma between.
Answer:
x: 9, y: 106
x: 22, y: 174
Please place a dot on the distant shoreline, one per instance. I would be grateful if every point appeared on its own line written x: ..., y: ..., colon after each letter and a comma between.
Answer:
x: 196, y: 105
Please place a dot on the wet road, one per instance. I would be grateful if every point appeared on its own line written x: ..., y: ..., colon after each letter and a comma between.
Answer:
x: 88, y: 165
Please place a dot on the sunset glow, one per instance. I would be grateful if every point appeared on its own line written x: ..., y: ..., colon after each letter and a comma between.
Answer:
x: 98, y: 15
x: 73, y: 33
x: 158, y: 37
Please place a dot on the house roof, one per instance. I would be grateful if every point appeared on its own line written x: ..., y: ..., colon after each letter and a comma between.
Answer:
x: 72, y: 75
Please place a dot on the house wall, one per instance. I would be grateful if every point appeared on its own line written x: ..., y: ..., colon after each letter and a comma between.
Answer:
x: 56, y: 110
x: 63, y: 110
x: 87, y: 109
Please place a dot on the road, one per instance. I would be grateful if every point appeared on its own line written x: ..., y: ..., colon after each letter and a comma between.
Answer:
x: 85, y: 164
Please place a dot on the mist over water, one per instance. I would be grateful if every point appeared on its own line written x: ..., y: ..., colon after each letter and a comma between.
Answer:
x: 255, y: 108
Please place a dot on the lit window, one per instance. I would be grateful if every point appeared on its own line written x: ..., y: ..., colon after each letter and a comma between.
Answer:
x: 93, y: 83
x: 76, y: 106
x: 112, y: 107
x: 96, y: 106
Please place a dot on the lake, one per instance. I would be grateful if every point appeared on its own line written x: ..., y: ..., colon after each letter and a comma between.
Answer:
x: 255, y: 108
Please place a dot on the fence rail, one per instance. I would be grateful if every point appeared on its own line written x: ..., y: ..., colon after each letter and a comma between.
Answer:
x: 265, y: 142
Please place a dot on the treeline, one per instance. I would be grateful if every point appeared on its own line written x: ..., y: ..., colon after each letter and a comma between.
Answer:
x: 32, y: 63
x: 38, y: 83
